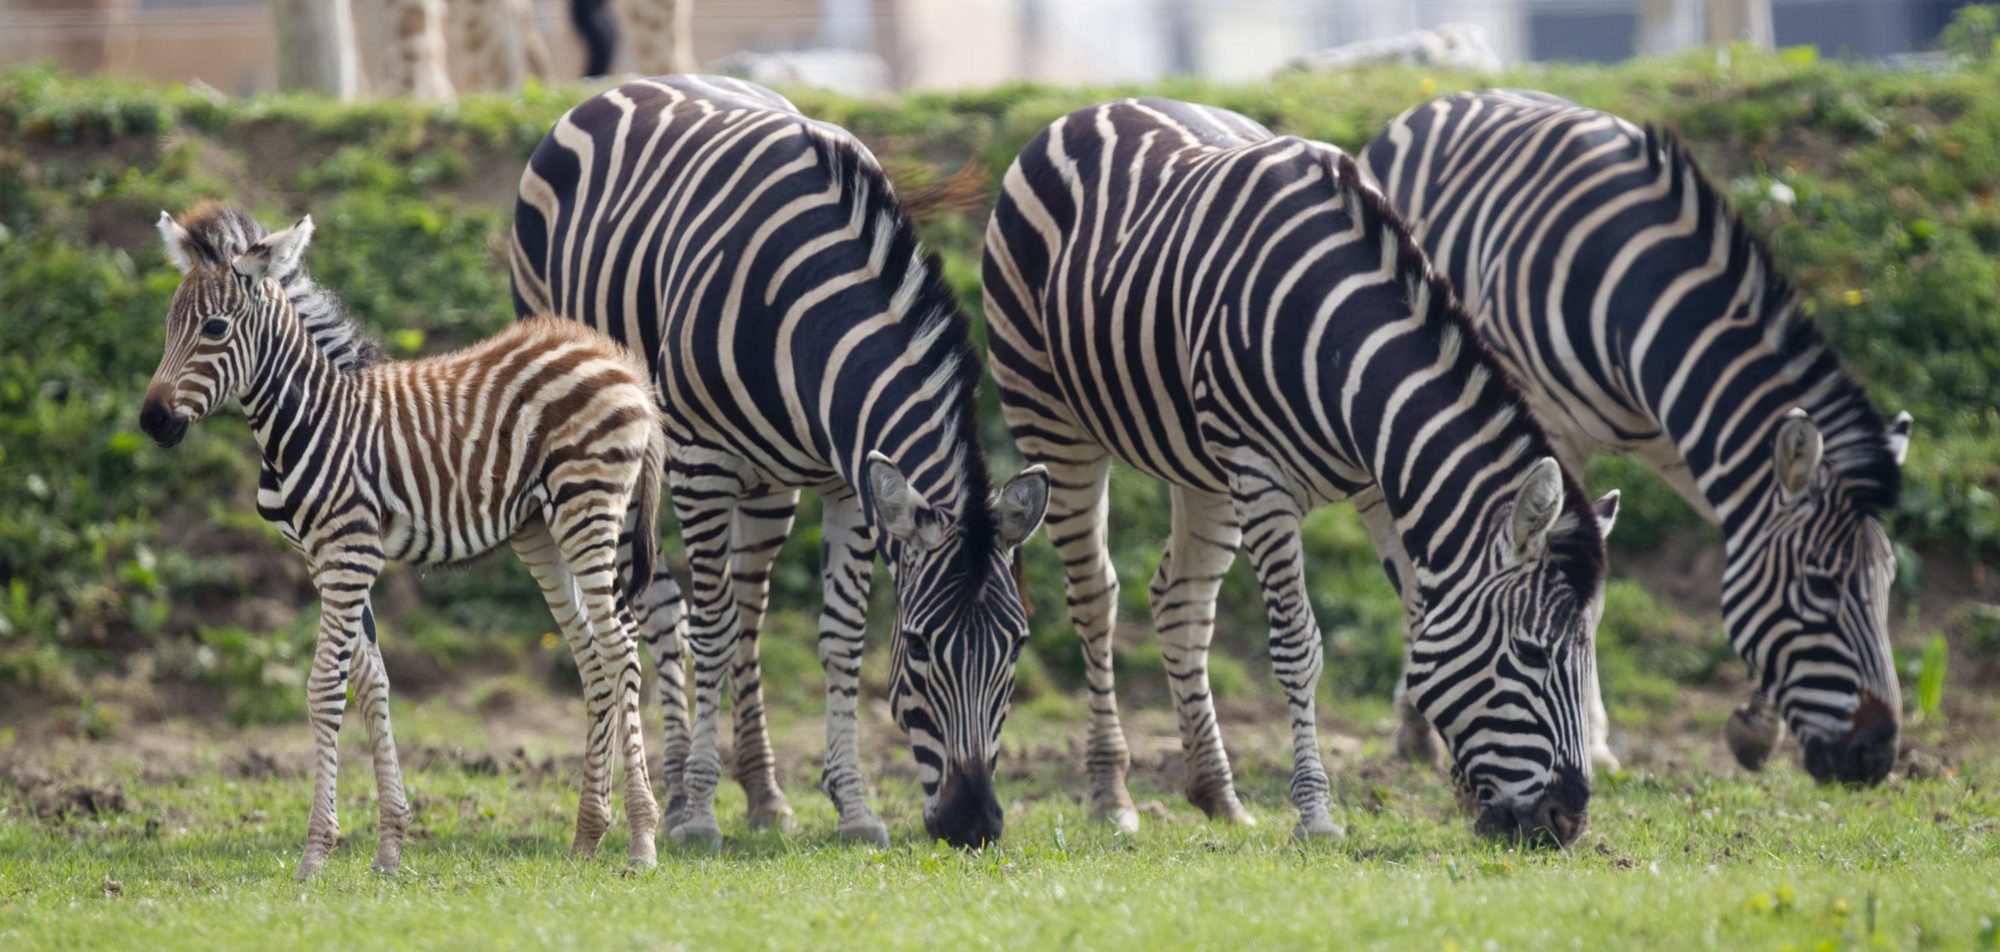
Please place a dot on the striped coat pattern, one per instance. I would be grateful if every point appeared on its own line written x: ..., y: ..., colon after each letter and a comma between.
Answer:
x: 800, y: 339
x: 1242, y: 317
x: 546, y: 438
x: 1644, y: 317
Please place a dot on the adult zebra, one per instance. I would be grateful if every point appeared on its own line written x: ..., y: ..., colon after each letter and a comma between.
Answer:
x: 799, y: 338
x: 1644, y: 317
x: 1242, y: 317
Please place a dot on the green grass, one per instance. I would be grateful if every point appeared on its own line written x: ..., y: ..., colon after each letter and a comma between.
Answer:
x: 198, y: 861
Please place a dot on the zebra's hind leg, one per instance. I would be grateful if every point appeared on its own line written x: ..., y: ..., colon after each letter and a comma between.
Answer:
x: 1416, y: 740
x: 1199, y: 552
x: 660, y: 618
x: 758, y: 532
x: 589, y: 544
x: 1270, y: 517
x: 343, y: 574
x: 537, y: 549
x: 705, y: 487
x: 371, y: 697
x: 1079, y: 480
x: 847, y: 562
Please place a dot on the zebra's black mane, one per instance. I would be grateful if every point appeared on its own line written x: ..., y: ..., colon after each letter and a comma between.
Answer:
x: 1579, y: 552
x: 1857, y: 438
x: 219, y: 232
x: 932, y: 313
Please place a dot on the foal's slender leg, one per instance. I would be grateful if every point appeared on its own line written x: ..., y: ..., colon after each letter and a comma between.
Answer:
x: 537, y: 549
x: 758, y: 531
x: 660, y: 618
x: 371, y: 696
x: 343, y: 576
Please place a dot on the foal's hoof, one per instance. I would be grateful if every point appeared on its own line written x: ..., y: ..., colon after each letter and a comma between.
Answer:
x: 643, y: 854
x: 309, y: 865
x: 866, y: 830
x: 703, y: 835
x: 1318, y: 828
x: 1119, y: 813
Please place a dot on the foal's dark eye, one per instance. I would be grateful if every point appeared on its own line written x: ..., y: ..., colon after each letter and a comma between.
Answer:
x: 1531, y: 654
x: 216, y: 327
x: 916, y: 650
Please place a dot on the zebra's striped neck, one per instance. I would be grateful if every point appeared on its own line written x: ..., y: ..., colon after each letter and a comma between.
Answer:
x: 1726, y: 440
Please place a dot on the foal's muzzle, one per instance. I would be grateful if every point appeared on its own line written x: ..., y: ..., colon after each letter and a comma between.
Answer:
x: 163, y: 425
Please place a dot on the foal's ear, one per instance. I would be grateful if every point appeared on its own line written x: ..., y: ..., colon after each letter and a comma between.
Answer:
x: 1022, y: 502
x: 177, y: 240
x: 277, y: 254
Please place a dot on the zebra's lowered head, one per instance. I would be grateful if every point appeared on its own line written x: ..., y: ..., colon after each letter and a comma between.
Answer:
x: 1503, y: 661
x: 960, y: 628
x: 1806, y: 593
x: 219, y: 315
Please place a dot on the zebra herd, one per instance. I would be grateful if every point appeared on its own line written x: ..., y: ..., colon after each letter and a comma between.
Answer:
x: 1249, y: 318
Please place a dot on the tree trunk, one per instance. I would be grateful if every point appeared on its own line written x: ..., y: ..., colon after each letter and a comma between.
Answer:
x: 1667, y: 26
x: 661, y: 33
x: 316, y: 47
x: 1740, y: 21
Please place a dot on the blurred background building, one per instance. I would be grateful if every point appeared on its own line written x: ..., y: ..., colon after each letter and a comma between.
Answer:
x: 925, y: 44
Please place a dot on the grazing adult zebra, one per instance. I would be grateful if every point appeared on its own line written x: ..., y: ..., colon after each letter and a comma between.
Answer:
x: 1644, y: 317
x: 762, y: 263
x: 541, y: 437
x: 1244, y: 318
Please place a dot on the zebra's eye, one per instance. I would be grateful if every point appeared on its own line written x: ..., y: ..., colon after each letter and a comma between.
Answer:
x: 915, y: 649
x: 1531, y: 654
x: 216, y: 327
x: 1822, y: 588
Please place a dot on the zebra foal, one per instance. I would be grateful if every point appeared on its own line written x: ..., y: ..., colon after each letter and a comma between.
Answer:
x: 544, y: 437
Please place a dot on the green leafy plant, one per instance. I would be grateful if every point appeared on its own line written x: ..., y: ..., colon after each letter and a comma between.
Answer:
x: 1930, y: 677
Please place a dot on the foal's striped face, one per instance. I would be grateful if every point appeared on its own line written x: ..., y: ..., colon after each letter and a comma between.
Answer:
x: 211, y: 327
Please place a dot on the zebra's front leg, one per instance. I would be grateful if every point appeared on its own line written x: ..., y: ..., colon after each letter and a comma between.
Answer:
x: 1078, y: 505
x: 1199, y: 553
x: 537, y: 549
x: 343, y: 580
x: 1416, y: 740
x: 706, y: 487
x: 759, y: 530
x: 1270, y: 518
x: 371, y: 696
x: 847, y: 562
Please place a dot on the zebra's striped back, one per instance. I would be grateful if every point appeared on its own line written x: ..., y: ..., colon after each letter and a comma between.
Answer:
x: 800, y: 338
x: 1243, y: 316
x: 1645, y: 317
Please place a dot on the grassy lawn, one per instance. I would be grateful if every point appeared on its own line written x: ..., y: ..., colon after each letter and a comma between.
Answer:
x: 201, y: 858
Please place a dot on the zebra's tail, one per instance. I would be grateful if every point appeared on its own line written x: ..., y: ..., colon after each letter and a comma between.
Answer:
x: 646, y: 507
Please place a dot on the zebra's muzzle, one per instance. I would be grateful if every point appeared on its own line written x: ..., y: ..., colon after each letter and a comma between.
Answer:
x: 1865, y: 754
x: 163, y: 426
x: 1556, y: 818
x: 968, y: 814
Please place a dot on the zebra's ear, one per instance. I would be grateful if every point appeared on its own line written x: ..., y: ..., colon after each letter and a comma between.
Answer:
x: 1022, y: 503
x: 1798, y: 449
x: 277, y: 254
x: 1537, y: 505
x: 1899, y: 436
x: 901, y: 511
x: 1607, y: 512
x: 176, y: 239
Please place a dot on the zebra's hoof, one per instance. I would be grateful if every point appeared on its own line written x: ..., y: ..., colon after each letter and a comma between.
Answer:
x: 387, y: 863
x: 865, y: 830
x: 309, y: 865
x: 644, y: 854
x: 1318, y: 828
x: 702, y: 835
x: 1124, y: 818
x: 774, y: 815
x: 1752, y: 732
